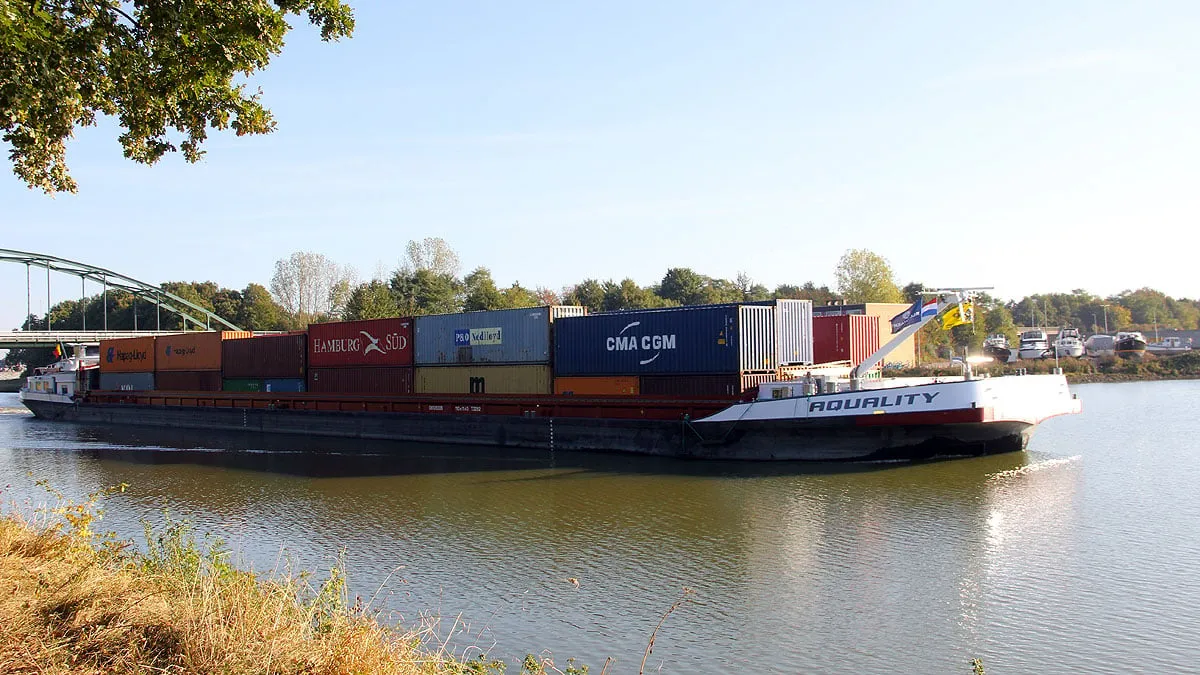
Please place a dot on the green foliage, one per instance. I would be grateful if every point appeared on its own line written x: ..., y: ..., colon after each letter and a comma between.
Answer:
x: 163, y: 70
x: 372, y: 300
x: 426, y: 292
x: 864, y: 276
x: 684, y: 286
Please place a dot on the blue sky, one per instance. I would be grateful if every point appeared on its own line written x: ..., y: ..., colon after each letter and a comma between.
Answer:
x: 1027, y: 146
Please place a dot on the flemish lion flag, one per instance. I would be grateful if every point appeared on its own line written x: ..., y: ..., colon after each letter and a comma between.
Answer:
x: 963, y: 313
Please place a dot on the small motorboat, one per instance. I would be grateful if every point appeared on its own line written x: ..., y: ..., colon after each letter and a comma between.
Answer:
x: 1034, y: 345
x: 1068, y: 343
x: 996, y: 346
x: 1169, y: 346
x: 1130, y: 344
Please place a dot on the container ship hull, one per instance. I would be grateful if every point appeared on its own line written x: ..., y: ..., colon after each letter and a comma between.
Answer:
x: 762, y: 430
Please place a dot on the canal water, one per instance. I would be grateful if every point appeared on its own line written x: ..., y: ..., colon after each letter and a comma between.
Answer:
x: 1081, y: 555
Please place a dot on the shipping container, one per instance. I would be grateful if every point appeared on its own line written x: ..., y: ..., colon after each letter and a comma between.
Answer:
x: 241, y: 384
x: 610, y: 385
x: 284, y: 385
x: 370, y: 380
x: 497, y: 336
x: 848, y: 337
x: 192, y: 351
x: 701, y: 339
x: 127, y: 355
x: 374, y: 342
x: 795, y: 337
x: 266, y: 356
x: 188, y: 380
x: 532, y: 379
x: 127, y: 381
x: 732, y: 386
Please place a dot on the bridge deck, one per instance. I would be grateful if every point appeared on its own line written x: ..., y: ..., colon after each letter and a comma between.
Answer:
x: 32, y: 339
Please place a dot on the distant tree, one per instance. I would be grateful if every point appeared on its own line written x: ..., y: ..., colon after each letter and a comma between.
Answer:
x: 864, y: 276
x: 159, y: 70
x: 432, y: 254
x: 684, y: 286
x: 480, y: 291
x: 820, y: 295
x: 517, y: 296
x: 370, y: 300
x: 588, y: 293
x: 749, y: 290
x: 307, y: 286
x: 547, y: 296
x: 721, y: 291
x: 426, y: 292
x: 258, y: 310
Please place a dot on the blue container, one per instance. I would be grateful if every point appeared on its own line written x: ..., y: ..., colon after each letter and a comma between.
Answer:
x: 284, y: 385
x: 510, y: 336
x: 701, y: 339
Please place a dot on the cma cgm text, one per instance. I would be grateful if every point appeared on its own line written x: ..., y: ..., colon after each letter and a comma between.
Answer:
x: 623, y: 343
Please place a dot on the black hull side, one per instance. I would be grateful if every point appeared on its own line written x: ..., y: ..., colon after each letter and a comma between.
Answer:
x: 805, y: 440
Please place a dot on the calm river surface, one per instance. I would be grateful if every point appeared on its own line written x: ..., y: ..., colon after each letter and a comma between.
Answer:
x: 1079, y: 556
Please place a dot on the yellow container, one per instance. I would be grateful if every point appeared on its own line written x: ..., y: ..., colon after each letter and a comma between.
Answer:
x: 483, y: 380
x: 598, y: 386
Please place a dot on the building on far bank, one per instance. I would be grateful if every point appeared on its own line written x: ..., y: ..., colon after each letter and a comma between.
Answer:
x: 905, y: 353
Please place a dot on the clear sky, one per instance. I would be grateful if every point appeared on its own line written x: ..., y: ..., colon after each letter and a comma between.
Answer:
x: 1029, y: 146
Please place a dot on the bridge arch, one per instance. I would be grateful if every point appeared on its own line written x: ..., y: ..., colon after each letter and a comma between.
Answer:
x: 162, y: 299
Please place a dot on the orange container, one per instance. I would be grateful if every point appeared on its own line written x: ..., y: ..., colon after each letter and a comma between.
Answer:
x: 192, y: 351
x: 127, y: 355
x: 598, y: 386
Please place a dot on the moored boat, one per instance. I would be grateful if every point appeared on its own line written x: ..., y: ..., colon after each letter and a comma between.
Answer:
x: 1169, y: 346
x: 996, y: 346
x: 1034, y: 345
x: 1129, y: 344
x: 1068, y: 343
x: 1099, y: 345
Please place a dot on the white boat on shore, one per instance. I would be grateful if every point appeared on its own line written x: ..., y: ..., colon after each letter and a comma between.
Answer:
x: 1034, y: 345
x: 1169, y: 346
x: 1068, y: 343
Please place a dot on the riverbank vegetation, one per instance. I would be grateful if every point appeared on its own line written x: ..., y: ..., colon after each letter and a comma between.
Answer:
x: 80, y: 602
x: 309, y: 287
x: 1104, y: 369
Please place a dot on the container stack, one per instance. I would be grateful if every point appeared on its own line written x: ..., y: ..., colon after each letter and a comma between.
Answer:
x: 707, y: 351
x: 268, y: 363
x: 127, y: 364
x: 373, y: 356
x: 845, y: 337
x: 191, y: 361
x: 507, y: 351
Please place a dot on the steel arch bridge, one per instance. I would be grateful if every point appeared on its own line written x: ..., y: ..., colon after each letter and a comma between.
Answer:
x: 160, y: 298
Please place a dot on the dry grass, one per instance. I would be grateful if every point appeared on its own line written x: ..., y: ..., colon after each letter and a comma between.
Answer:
x: 73, y: 602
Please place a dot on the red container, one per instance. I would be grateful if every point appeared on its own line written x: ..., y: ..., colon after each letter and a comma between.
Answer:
x: 379, y: 380
x: 375, y: 342
x: 701, y: 386
x: 846, y: 337
x: 269, y: 356
x: 188, y: 380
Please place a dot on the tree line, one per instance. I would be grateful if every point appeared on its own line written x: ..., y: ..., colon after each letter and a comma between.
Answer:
x: 308, y: 287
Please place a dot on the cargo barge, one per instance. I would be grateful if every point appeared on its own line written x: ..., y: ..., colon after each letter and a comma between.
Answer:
x: 816, y: 417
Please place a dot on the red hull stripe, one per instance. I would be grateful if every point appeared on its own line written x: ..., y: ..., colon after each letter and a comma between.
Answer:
x: 962, y: 416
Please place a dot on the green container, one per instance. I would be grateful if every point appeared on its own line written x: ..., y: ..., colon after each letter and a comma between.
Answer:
x: 241, y: 384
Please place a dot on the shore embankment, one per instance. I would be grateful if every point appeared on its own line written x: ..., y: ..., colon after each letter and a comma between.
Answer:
x: 78, y: 602
x: 1082, y: 370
